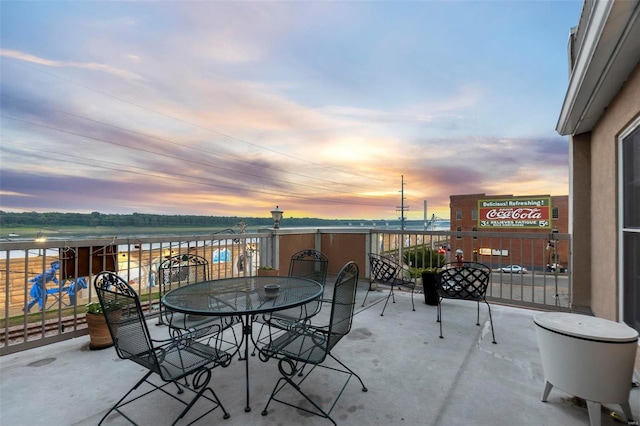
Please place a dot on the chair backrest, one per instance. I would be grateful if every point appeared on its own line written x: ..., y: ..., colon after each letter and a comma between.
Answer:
x: 464, y: 280
x: 125, y: 319
x: 311, y: 264
x: 343, y: 303
x: 383, y: 268
x: 182, y: 269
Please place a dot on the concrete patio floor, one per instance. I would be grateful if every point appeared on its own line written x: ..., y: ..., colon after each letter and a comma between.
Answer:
x: 413, y: 376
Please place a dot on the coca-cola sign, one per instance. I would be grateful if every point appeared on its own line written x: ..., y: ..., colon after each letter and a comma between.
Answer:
x: 515, y: 213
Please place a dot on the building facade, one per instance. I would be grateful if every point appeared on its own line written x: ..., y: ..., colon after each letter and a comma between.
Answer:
x: 601, y: 116
x: 483, y: 214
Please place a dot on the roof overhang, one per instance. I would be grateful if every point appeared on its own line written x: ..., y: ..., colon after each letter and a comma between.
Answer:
x: 609, y: 53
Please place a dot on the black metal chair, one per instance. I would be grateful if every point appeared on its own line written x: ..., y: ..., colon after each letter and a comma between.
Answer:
x: 305, y: 344
x: 307, y: 263
x: 464, y: 281
x: 311, y: 264
x: 185, y: 269
x: 178, y: 270
x: 181, y: 360
x: 385, y: 270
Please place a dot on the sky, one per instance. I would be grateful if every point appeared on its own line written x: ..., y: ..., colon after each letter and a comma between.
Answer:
x: 327, y: 109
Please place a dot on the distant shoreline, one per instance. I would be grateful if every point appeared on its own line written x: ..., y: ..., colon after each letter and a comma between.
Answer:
x: 22, y: 233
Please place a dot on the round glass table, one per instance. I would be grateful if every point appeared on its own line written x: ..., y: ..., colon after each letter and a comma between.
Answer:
x: 243, y: 297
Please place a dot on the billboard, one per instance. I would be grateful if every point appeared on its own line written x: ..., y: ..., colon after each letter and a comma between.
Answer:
x: 515, y: 213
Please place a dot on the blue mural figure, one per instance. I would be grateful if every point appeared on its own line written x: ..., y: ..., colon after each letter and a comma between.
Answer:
x: 38, y: 290
x: 73, y: 289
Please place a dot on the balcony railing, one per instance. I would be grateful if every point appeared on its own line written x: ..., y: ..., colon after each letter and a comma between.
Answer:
x: 47, y: 284
x: 545, y: 284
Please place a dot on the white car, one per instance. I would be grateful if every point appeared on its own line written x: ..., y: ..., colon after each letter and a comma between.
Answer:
x: 513, y: 269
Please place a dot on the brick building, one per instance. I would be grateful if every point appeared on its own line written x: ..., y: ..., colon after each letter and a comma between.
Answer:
x: 495, y: 214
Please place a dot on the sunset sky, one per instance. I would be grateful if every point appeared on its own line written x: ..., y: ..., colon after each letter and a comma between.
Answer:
x: 231, y: 108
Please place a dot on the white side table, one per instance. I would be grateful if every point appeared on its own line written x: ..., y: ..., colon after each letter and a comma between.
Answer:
x: 589, y: 357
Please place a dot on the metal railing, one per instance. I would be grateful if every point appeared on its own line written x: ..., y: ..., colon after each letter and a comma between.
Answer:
x: 546, y: 284
x: 42, y: 302
x: 47, y: 284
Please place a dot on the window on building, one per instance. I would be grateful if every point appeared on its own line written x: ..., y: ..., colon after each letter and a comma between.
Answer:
x: 475, y: 229
x: 474, y: 214
x: 555, y: 213
x: 459, y: 214
x: 630, y: 206
x: 459, y: 229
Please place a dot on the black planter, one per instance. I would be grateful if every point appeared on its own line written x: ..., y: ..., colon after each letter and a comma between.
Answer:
x: 429, y: 281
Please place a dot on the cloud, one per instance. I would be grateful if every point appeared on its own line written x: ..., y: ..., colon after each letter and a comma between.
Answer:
x: 14, y: 54
x: 230, y: 107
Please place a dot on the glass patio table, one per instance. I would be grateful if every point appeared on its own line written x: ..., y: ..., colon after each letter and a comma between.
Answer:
x: 245, y: 298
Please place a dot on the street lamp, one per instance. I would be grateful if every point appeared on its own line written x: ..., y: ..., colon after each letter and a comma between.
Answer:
x: 277, y: 216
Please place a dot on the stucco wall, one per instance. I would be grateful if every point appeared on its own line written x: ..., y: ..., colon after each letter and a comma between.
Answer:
x: 342, y: 248
x: 604, y: 203
x: 339, y: 247
x: 581, y: 221
x: 289, y: 244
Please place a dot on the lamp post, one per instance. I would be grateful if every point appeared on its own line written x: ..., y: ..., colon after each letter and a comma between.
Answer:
x: 276, y: 214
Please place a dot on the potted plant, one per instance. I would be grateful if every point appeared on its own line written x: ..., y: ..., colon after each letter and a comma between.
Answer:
x: 430, y: 285
x: 99, y: 336
x: 430, y: 262
x: 267, y: 271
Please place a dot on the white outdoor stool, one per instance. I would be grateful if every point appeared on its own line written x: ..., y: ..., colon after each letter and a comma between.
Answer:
x: 588, y: 357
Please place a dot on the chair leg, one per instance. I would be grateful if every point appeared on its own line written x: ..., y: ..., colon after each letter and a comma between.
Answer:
x: 364, y: 388
x: 367, y: 294
x: 160, y: 315
x: 387, y: 301
x: 201, y: 381
x: 253, y: 353
x: 439, y: 310
x: 287, y: 378
x: 478, y: 314
x: 116, y: 406
x: 413, y: 305
x: 491, y: 322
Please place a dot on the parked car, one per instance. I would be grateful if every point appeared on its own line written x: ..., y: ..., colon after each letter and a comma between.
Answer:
x: 513, y: 269
x: 554, y: 266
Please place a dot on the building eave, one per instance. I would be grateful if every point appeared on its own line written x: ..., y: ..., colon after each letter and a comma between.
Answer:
x: 608, y: 54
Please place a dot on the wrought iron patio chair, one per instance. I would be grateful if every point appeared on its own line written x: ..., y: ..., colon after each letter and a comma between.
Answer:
x: 464, y: 281
x: 386, y: 270
x: 178, y: 270
x: 185, y: 269
x: 181, y: 360
x: 311, y: 264
x: 308, y: 263
x: 305, y: 344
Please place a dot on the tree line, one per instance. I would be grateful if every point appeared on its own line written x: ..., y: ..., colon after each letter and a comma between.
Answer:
x: 53, y: 219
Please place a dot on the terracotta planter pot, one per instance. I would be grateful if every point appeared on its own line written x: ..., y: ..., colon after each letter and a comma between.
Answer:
x: 99, y: 335
x: 268, y: 273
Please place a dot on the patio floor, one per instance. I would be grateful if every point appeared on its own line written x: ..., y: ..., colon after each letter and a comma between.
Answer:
x: 413, y: 376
